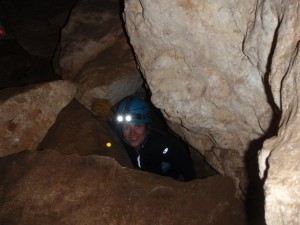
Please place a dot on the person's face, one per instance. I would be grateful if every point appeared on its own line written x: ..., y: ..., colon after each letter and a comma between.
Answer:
x: 134, y: 133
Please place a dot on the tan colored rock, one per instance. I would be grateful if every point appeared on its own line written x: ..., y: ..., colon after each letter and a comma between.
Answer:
x: 89, y: 31
x: 191, y: 54
x: 50, y: 188
x: 279, y: 159
x: 77, y: 131
x: 279, y: 167
x: 27, y: 113
x: 94, y: 53
x: 113, y: 75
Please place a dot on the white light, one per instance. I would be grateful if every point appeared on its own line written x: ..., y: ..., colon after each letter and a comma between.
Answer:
x: 128, y: 118
x: 120, y: 118
x: 166, y: 150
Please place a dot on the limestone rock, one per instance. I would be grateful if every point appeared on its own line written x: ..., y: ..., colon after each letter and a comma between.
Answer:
x: 27, y: 113
x: 191, y: 54
x: 279, y: 167
x: 77, y: 131
x: 113, y: 75
x: 94, y: 53
x: 49, y: 188
x: 279, y: 159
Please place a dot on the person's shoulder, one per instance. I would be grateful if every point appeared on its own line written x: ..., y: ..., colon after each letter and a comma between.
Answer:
x: 158, y: 135
x: 167, y: 140
x: 157, y: 139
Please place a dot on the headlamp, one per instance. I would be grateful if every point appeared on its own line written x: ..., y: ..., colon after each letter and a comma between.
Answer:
x: 121, y: 118
x: 128, y: 118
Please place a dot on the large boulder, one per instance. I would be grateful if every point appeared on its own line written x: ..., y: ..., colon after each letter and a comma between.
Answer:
x: 191, y: 54
x: 233, y: 68
x: 49, y: 188
x: 94, y: 52
x: 27, y: 113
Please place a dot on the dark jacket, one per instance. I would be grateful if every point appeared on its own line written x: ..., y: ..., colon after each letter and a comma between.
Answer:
x: 162, y: 155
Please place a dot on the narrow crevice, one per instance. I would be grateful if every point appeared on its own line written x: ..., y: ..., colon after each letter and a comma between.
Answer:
x: 255, y: 192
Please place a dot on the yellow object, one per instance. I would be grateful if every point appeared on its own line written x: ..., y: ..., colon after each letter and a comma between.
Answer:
x: 102, y: 108
x: 108, y: 144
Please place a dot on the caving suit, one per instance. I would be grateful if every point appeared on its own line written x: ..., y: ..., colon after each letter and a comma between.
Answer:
x: 162, y: 155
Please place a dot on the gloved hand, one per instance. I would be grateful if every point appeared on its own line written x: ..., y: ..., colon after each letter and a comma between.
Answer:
x: 102, y: 109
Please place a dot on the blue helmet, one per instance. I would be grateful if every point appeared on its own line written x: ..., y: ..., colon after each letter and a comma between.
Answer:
x: 133, y: 110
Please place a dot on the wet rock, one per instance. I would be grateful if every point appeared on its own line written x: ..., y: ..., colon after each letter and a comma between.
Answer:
x: 27, y: 113
x: 49, y: 188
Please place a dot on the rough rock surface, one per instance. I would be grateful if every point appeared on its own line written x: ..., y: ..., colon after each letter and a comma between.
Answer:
x: 279, y: 159
x: 94, y: 52
x: 27, y: 113
x: 49, y: 188
x: 235, y: 60
x: 191, y: 54
x: 77, y: 131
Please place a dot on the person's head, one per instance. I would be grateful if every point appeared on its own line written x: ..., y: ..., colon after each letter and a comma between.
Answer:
x: 133, y: 115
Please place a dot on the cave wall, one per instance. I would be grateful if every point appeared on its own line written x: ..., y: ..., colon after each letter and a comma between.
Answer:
x: 279, y: 159
x: 94, y: 53
x: 195, y: 58
x: 222, y: 73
